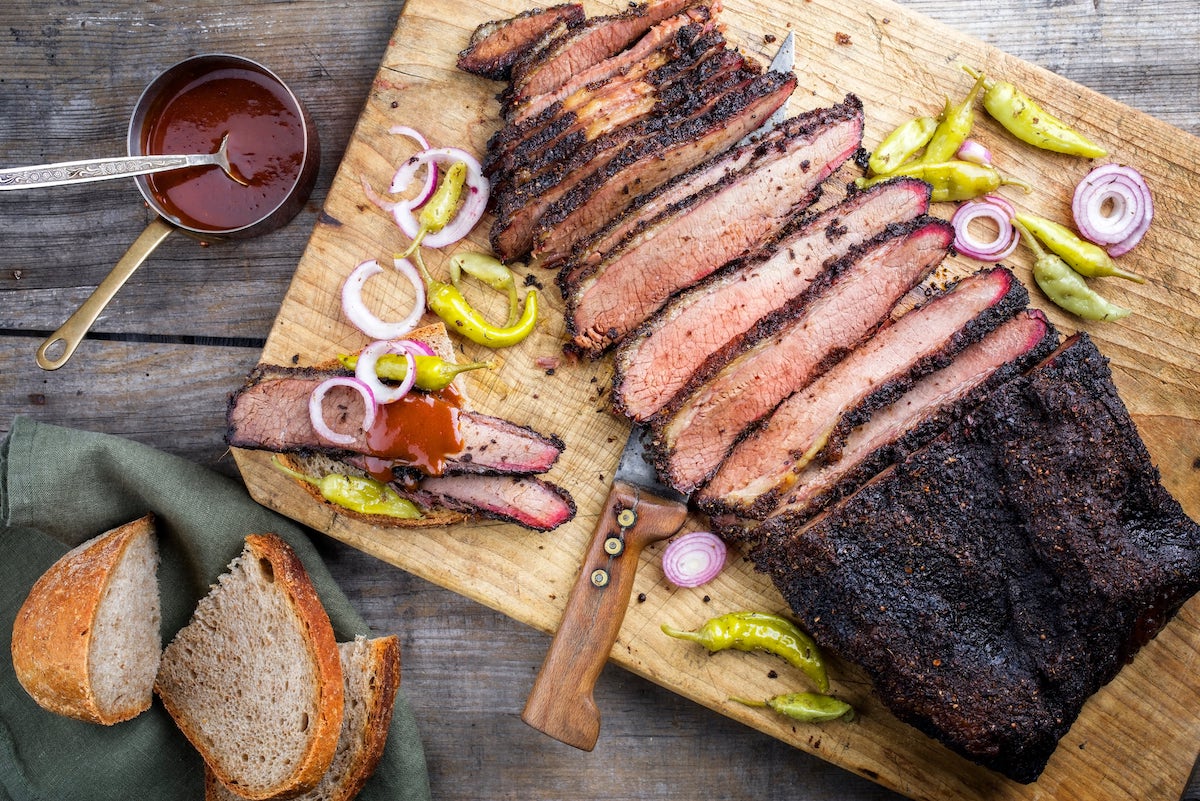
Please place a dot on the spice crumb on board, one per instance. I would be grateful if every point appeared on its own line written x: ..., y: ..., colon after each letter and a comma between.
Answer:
x: 842, y: 38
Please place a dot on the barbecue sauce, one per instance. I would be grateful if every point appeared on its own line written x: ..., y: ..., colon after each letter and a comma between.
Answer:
x: 266, y: 146
x: 420, y: 430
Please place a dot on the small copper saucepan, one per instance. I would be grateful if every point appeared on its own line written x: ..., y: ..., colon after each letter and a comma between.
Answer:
x: 190, y: 108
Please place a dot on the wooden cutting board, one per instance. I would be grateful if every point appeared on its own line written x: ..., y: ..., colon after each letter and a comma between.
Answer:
x: 1136, y: 739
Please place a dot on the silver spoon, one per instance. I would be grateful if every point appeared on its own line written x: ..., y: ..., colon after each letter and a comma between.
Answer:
x: 77, y: 172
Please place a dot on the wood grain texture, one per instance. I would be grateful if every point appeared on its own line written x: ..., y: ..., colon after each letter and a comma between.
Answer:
x: 186, y: 331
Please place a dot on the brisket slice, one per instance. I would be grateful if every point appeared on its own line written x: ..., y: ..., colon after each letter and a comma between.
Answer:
x: 520, y: 151
x: 603, y: 71
x: 588, y: 43
x: 909, y: 422
x: 270, y: 412
x: 593, y: 203
x: 764, y: 465
x: 734, y: 96
x: 694, y: 334
x: 526, y: 500
x: 998, y: 577
x: 703, y: 232
x: 788, y: 349
x: 495, y: 46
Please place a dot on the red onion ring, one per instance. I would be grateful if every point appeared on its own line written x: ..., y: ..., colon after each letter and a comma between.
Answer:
x: 316, y: 408
x: 990, y: 207
x: 474, y: 201
x: 693, y: 559
x: 427, y: 189
x: 974, y: 151
x: 355, y: 308
x: 365, y: 369
x: 1125, y: 191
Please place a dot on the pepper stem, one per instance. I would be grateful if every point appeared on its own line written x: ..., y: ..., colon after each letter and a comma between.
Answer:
x: 680, y: 634
x: 747, y: 701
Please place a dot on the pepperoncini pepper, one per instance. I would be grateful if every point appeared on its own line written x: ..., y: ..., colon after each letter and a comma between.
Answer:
x: 439, y: 210
x: 805, y: 707
x: 357, y: 493
x: 490, y: 271
x: 951, y: 180
x: 1023, y: 118
x: 449, y: 303
x: 1084, y: 257
x: 954, y: 127
x: 1064, y: 287
x: 759, y: 631
x: 901, y: 145
x: 433, y: 373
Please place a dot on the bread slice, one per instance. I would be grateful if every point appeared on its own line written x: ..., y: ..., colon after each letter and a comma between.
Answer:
x: 254, y: 680
x: 371, y: 677
x: 86, y: 642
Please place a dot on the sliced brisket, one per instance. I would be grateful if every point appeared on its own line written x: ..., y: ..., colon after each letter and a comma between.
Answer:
x: 586, y: 44
x: 996, y: 578
x: 701, y: 233
x: 495, y: 46
x: 789, y: 349
x: 270, y: 412
x: 696, y: 332
x: 525, y: 500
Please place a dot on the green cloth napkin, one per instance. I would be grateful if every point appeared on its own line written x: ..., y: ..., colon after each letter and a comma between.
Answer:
x: 59, y: 487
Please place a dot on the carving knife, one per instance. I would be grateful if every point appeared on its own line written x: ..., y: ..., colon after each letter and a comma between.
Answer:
x: 638, y: 511
x: 784, y: 61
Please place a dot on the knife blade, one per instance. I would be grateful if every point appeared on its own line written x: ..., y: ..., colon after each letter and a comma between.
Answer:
x: 639, y: 511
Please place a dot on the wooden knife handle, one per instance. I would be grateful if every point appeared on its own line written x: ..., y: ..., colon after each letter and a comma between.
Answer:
x: 561, y: 702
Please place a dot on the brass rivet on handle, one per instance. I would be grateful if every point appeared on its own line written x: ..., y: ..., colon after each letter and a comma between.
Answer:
x: 599, y: 577
x: 626, y: 518
x: 613, y: 546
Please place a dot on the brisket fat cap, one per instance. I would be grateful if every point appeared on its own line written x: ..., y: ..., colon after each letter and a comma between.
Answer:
x: 765, y: 464
x: 1000, y: 575
x: 701, y: 329
x: 496, y: 45
x: 695, y: 238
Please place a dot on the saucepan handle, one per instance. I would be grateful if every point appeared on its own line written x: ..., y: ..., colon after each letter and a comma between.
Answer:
x: 561, y: 703
x: 71, y: 333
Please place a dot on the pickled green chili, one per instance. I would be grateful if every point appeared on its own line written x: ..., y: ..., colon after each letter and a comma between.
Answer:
x: 449, y: 303
x: 433, y: 372
x: 804, y: 707
x: 1084, y: 257
x: 901, y: 145
x: 1023, y: 118
x: 1064, y: 287
x: 357, y: 493
x: 759, y: 631
x: 954, y: 127
x: 490, y: 271
x: 950, y: 180
x: 439, y: 210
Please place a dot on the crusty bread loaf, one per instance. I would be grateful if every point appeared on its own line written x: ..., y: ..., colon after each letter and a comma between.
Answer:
x: 86, y: 642
x: 318, y: 465
x: 371, y: 676
x: 254, y: 680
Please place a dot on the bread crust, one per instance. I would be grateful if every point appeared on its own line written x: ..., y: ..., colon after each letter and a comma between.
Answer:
x: 53, y: 632
x: 289, y: 573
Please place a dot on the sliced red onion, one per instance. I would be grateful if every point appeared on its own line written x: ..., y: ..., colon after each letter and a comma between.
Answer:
x: 693, y: 559
x: 973, y: 150
x: 1130, y: 207
x: 475, y: 196
x: 316, y: 408
x: 411, y: 133
x: 365, y: 369
x: 1000, y: 212
x: 355, y: 308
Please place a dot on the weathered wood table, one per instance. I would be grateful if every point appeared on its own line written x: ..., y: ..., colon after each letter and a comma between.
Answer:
x: 189, y: 326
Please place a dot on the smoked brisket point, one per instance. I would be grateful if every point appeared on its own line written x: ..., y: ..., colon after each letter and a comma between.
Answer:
x: 733, y: 98
x: 582, y: 46
x: 526, y: 500
x: 815, y: 420
x: 996, y: 578
x: 697, y: 236
x: 270, y: 412
x: 698, y: 331
x: 908, y: 422
x: 787, y: 350
x: 495, y: 46
x: 530, y: 107
x: 677, y: 148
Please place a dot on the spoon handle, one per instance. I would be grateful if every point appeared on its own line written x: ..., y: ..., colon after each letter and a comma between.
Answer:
x: 75, y: 172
